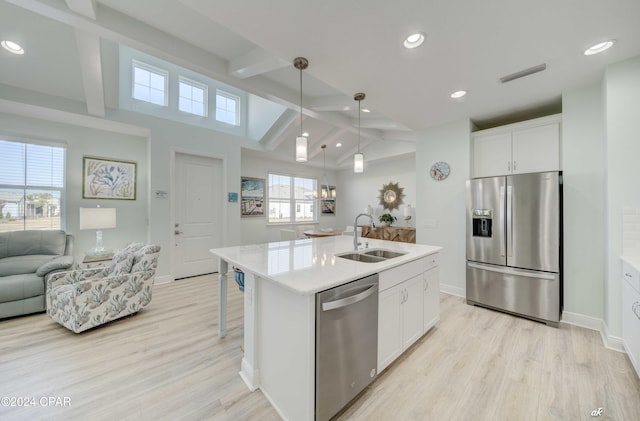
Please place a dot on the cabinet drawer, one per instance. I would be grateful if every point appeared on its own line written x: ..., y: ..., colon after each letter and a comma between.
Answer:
x: 394, y: 276
x: 431, y: 261
x: 631, y: 275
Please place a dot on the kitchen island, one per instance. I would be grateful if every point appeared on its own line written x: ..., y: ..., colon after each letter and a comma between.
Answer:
x: 281, y: 280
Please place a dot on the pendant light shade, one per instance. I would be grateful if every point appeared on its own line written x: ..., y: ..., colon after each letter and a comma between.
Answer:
x: 358, y: 158
x: 358, y: 163
x: 301, y: 63
x: 301, y: 149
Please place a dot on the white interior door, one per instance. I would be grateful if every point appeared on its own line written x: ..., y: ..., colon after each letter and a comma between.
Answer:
x: 198, y: 224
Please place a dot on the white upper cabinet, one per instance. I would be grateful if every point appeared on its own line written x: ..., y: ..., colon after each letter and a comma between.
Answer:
x: 526, y: 147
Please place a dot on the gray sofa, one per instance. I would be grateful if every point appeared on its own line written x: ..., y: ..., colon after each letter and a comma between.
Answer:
x: 26, y: 258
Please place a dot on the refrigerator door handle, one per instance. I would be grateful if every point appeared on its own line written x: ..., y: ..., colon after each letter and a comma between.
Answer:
x: 509, y: 221
x: 512, y: 271
x: 501, y: 220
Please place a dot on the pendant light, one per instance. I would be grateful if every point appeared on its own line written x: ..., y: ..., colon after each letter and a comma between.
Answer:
x: 301, y: 63
x: 323, y: 189
x: 358, y: 158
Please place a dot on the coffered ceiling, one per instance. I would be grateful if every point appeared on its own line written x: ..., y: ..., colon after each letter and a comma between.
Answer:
x: 352, y: 46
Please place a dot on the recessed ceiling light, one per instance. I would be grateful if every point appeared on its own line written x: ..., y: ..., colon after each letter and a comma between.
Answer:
x: 458, y: 94
x: 338, y: 145
x: 598, y: 48
x: 366, y: 110
x: 414, y: 40
x: 305, y: 134
x: 12, y: 47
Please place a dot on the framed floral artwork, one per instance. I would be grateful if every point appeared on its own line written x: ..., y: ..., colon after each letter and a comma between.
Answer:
x: 108, y: 179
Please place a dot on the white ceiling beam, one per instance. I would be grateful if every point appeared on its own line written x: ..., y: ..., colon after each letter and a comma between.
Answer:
x: 84, y: 7
x: 329, y: 137
x: 277, y: 133
x: 381, y: 124
x: 255, y: 62
x: 348, y: 153
x: 91, y: 69
x: 66, y: 117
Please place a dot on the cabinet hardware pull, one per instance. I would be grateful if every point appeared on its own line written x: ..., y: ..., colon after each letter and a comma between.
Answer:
x: 628, y: 275
x: 634, y: 308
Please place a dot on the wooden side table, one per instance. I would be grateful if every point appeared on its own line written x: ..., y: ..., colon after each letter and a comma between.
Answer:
x: 91, y: 262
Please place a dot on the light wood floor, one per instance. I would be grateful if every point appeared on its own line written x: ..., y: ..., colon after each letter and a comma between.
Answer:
x: 167, y: 363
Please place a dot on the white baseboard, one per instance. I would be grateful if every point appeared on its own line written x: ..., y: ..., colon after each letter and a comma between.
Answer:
x: 576, y: 319
x: 453, y: 290
x: 163, y: 279
x: 588, y: 322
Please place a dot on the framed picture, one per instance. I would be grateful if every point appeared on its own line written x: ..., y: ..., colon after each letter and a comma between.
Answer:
x: 328, y: 205
x: 252, y: 197
x: 108, y: 179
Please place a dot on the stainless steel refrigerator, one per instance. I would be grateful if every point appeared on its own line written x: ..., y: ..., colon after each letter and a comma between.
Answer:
x: 514, y: 244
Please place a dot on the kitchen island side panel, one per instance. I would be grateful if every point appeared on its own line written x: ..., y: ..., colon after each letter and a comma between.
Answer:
x: 286, y: 349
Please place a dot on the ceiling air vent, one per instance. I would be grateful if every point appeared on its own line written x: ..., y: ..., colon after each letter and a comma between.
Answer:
x: 523, y: 73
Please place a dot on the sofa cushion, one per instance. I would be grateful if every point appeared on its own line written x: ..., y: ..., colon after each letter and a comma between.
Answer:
x: 57, y: 263
x: 20, y: 243
x: 17, y: 265
x: 18, y: 287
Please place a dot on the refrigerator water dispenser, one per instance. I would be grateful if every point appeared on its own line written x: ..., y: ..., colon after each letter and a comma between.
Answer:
x: 482, y: 222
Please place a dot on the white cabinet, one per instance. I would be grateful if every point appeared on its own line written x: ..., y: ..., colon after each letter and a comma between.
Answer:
x: 631, y: 316
x: 402, y: 316
x: 431, y: 294
x: 530, y: 146
x: 399, y: 319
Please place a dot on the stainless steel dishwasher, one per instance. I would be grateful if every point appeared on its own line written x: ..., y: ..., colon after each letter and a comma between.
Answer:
x: 346, y: 343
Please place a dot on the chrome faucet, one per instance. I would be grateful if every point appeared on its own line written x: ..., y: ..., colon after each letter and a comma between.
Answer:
x: 355, y: 229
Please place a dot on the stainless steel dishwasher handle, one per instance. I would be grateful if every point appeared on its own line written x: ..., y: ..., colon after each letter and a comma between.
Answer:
x: 352, y: 299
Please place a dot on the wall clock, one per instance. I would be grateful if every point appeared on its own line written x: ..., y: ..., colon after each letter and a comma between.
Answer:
x: 439, y: 171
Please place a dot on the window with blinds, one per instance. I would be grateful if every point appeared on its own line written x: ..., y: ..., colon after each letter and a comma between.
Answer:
x: 31, y: 186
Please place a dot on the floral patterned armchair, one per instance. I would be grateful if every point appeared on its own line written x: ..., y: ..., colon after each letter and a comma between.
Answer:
x: 82, y: 299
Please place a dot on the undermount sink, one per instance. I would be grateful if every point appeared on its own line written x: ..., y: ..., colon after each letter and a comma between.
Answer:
x: 359, y: 257
x: 385, y: 254
x: 371, y: 256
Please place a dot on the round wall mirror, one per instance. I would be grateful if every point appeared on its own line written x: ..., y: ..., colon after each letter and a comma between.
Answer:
x: 391, y: 196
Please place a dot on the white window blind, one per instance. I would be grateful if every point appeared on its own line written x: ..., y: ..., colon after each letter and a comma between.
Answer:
x: 31, y: 186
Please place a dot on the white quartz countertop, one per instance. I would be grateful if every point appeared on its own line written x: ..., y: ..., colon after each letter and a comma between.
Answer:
x: 310, y: 265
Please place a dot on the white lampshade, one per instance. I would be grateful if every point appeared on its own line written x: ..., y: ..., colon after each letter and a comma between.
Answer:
x: 358, y: 163
x: 407, y: 210
x: 97, y: 218
x: 301, y: 149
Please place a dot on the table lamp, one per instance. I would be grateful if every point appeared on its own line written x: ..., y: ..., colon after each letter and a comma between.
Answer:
x: 98, y: 219
x: 407, y: 214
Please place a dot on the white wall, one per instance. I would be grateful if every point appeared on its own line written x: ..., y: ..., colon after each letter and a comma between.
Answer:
x: 359, y: 190
x: 166, y: 139
x: 441, y: 204
x: 583, y: 148
x: 256, y: 230
x: 622, y: 102
x: 132, y: 221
